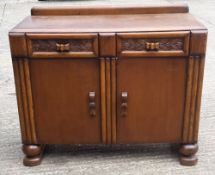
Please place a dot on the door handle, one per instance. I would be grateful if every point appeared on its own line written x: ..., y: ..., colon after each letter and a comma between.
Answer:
x: 92, y: 104
x: 124, y: 104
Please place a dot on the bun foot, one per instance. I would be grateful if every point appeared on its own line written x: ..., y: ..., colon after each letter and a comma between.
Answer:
x: 188, y: 157
x: 188, y: 161
x: 34, y: 154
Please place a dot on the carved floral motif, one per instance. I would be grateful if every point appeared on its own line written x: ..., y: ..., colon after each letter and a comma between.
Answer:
x: 75, y: 45
x: 164, y: 44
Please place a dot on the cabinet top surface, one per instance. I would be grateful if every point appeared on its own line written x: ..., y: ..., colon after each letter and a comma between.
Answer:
x: 115, y: 20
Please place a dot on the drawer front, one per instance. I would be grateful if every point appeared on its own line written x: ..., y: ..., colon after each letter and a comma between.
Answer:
x: 153, y: 44
x: 62, y: 45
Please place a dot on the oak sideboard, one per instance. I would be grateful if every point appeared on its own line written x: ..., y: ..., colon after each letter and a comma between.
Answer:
x: 109, y: 75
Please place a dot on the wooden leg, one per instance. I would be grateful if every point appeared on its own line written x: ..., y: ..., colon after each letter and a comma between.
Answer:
x: 188, y: 157
x: 34, y: 154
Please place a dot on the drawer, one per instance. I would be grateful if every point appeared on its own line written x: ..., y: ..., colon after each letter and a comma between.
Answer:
x: 62, y: 45
x: 153, y: 44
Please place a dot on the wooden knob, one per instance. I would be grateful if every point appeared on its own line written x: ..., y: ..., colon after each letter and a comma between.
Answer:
x: 152, y: 46
x: 62, y: 47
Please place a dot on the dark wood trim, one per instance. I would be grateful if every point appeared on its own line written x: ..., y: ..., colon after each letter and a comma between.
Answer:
x: 109, y: 10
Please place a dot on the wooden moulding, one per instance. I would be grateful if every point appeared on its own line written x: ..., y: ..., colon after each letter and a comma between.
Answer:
x: 103, y: 100
x: 198, y: 42
x: 109, y: 10
x: 18, y: 45
x: 113, y: 99
x: 108, y: 98
x: 198, y: 98
x: 24, y: 133
x: 193, y: 98
x: 25, y: 101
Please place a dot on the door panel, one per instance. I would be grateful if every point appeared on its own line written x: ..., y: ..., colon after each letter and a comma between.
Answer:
x: 61, y: 94
x: 150, y: 99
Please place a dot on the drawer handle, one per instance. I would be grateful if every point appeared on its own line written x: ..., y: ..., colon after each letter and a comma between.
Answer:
x: 124, y: 104
x: 62, y: 47
x: 92, y: 104
x: 152, y: 46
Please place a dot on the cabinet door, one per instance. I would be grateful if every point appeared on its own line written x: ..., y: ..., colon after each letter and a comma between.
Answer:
x: 150, y: 99
x: 66, y: 96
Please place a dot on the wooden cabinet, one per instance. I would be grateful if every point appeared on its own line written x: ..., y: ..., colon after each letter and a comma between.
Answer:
x: 105, y: 76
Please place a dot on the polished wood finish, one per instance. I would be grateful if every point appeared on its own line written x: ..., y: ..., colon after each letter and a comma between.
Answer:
x: 109, y: 23
x: 157, y: 105
x: 109, y: 10
x: 64, y: 110
x: 109, y: 75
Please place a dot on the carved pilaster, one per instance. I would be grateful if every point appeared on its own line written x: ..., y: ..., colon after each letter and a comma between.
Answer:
x: 193, y: 98
x: 25, y: 101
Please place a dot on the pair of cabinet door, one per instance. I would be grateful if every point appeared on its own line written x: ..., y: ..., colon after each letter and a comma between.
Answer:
x: 102, y: 100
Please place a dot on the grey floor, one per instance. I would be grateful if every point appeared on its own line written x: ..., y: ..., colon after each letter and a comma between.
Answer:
x: 141, y: 159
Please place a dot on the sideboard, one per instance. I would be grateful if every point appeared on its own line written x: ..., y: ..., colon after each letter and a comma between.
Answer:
x: 109, y: 75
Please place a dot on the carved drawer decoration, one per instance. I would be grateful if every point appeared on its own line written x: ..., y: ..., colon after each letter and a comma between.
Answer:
x: 153, y: 44
x: 62, y: 45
